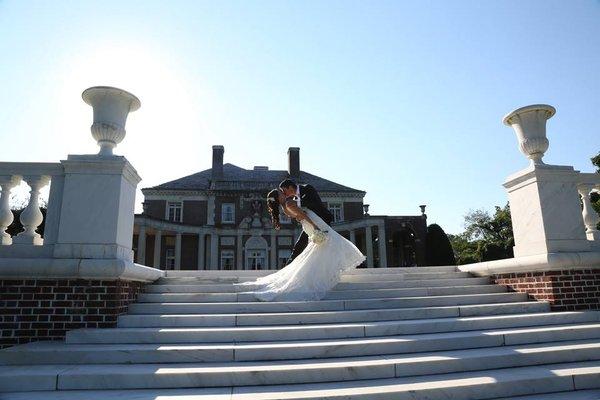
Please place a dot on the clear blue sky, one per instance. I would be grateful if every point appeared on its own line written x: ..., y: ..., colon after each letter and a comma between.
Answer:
x: 403, y: 99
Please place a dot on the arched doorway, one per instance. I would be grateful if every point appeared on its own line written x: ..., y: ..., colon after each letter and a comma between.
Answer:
x: 256, y: 253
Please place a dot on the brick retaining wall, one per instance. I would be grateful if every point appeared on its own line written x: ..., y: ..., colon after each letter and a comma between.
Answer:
x: 565, y: 290
x: 32, y: 310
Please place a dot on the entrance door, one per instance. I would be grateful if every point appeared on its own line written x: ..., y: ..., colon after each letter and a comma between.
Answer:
x: 256, y: 259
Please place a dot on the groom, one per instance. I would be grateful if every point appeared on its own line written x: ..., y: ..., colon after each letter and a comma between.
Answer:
x: 306, y: 196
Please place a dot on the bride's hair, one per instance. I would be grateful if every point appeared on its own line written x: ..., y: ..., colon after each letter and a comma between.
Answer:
x: 273, y: 207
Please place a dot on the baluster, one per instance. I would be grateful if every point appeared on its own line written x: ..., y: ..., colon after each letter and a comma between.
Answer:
x: 31, y: 216
x: 590, y: 217
x: 7, y: 182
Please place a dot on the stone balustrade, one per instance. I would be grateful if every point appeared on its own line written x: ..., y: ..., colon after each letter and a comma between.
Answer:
x: 586, y: 184
x: 81, y: 274
x: 36, y: 176
x: 557, y: 243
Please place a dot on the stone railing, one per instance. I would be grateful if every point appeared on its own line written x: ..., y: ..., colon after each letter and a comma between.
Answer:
x: 586, y: 184
x: 89, y: 219
x: 557, y: 244
x: 81, y: 274
x: 36, y: 176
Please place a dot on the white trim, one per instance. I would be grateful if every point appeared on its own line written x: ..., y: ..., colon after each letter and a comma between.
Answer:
x: 536, y: 263
x: 77, y: 268
x: 339, y: 204
x: 341, y: 199
x: 229, y: 221
x: 167, y: 207
x: 175, y: 197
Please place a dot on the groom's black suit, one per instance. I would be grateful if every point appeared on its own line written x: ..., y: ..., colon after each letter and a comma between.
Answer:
x: 310, y: 199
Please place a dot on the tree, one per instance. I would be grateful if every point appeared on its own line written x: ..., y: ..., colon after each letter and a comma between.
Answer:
x: 594, y: 196
x: 439, y: 249
x: 596, y: 162
x: 485, y: 238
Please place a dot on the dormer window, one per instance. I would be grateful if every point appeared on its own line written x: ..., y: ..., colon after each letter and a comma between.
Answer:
x: 174, y: 211
x: 337, y: 211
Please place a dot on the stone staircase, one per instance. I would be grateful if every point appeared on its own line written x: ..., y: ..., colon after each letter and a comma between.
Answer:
x: 418, y: 333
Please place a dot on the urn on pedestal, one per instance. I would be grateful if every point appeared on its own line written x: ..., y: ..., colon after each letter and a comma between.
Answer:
x: 529, y: 123
x: 111, y: 107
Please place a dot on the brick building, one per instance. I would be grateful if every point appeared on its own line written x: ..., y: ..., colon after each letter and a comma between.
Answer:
x: 217, y: 219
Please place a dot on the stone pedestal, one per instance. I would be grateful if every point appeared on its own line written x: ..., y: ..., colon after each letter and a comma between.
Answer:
x: 97, y: 208
x: 546, y: 210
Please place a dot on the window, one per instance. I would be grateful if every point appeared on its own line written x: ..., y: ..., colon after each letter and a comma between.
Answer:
x: 336, y: 210
x: 228, y: 213
x: 255, y: 259
x: 227, y: 259
x: 283, y: 256
x: 174, y: 211
x: 170, y: 259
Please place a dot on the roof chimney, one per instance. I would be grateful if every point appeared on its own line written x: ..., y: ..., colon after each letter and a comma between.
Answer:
x: 217, y: 162
x: 294, y: 162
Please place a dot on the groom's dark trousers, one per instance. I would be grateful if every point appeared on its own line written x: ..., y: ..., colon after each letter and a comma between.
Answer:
x: 310, y: 199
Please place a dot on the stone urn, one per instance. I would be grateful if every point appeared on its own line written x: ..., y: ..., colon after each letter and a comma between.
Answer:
x: 529, y: 123
x: 111, y: 107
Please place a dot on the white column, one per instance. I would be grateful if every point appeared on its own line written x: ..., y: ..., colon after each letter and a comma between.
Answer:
x: 353, y: 236
x: 31, y: 216
x: 157, y: 245
x: 382, y: 246
x: 7, y: 182
x: 240, y: 252
x: 214, y: 250
x: 141, y: 245
x: 369, y: 246
x: 178, y: 250
x: 273, y: 251
x: 201, y: 240
x: 590, y: 217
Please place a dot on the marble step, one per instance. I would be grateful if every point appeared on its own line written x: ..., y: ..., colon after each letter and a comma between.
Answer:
x: 230, y: 288
x: 323, y: 305
x: 232, y: 274
x: 321, y: 317
x: 284, y: 333
x: 402, y: 270
x: 576, y: 395
x: 138, y: 376
x: 474, y: 385
x: 403, y: 276
x: 373, y: 277
x: 425, y: 291
x: 63, y: 353
x: 333, y: 295
x: 225, y: 394
x: 430, y: 282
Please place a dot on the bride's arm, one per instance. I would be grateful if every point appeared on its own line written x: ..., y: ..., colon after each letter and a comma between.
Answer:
x: 291, y: 208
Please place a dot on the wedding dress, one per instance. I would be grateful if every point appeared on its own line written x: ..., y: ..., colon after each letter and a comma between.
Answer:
x: 314, y: 271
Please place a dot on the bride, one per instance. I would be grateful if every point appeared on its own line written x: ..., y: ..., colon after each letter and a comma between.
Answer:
x: 314, y: 271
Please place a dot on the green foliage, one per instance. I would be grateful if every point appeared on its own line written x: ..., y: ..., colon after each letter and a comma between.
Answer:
x: 596, y: 162
x: 439, y: 249
x: 595, y: 197
x: 485, y: 238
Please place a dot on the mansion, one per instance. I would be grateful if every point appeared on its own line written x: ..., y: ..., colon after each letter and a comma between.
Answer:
x: 217, y: 220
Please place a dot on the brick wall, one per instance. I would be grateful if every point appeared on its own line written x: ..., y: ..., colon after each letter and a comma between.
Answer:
x: 565, y: 290
x: 32, y: 310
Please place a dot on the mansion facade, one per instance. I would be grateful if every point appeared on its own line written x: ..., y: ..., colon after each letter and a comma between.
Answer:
x: 217, y: 219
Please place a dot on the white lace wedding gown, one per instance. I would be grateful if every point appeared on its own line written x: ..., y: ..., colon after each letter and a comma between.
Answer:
x: 313, y: 272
